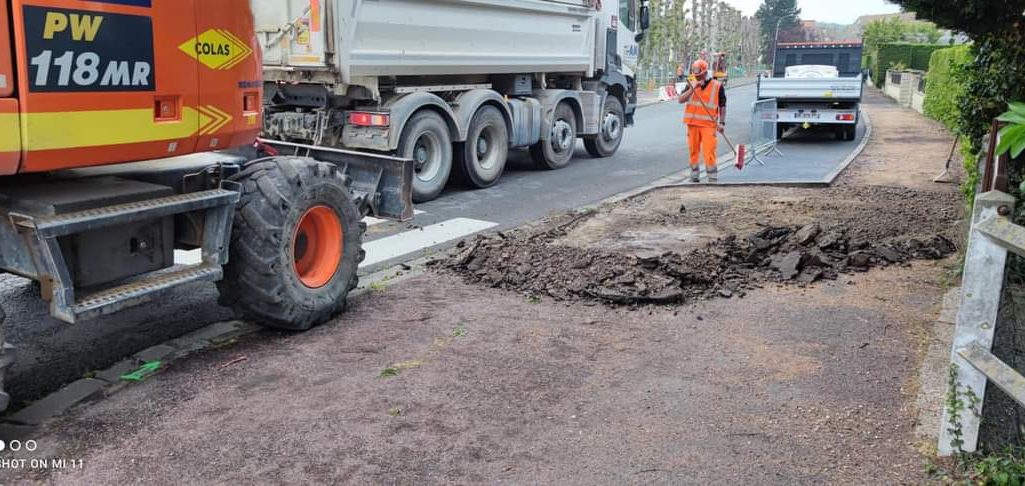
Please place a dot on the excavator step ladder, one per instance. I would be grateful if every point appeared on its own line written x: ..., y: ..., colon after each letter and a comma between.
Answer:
x: 43, y: 233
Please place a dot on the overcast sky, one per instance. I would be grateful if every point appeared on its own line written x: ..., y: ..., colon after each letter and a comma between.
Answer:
x: 836, y: 11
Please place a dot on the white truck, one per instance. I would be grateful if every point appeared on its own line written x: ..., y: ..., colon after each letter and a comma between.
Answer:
x: 452, y: 84
x: 816, y: 85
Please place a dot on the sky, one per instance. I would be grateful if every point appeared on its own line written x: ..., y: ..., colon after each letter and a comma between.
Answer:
x: 835, y: 11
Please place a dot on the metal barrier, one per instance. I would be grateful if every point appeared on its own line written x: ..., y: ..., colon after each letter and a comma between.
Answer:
x: 992, y: 236
x: 763, y: 136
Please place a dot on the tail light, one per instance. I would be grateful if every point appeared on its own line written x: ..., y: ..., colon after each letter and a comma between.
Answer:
x: 845, y: 117
x: 365, y: 119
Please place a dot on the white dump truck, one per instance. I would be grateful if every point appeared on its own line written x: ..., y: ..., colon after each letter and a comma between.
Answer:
x: 815, y: 85
x: 452, y: 84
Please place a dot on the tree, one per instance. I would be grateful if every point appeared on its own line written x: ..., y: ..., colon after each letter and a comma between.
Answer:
x: 682, y: 29
x: 782, y: 13
x: 994, y: 76
x: 894, y: 29
x: 973, y: 17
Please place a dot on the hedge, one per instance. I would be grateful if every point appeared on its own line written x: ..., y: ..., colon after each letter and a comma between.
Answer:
x: 942, y: 90
x: 912, y: 56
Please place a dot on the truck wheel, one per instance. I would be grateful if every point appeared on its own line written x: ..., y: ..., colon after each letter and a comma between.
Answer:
x: 481, y: 160
x: 850, y: 132
x: 606, y: 143
x: 557, y: 151
x: 295, y: 246
x: 6, y: 360
x: 427, y: 141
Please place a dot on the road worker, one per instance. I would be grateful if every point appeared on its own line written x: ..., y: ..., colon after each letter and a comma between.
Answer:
x: 705, y: 115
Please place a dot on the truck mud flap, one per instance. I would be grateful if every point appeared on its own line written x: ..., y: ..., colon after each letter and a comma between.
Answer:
x: 382, y: 183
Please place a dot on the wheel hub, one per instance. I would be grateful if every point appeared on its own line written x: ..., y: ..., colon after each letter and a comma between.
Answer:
x: 562, y: 136
x: 611, y: 127
x: 427, y: 157
x: 317, y: 246
x: 482, y: 146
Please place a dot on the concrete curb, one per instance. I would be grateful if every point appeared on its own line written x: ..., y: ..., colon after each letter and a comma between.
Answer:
x: 107, y: 382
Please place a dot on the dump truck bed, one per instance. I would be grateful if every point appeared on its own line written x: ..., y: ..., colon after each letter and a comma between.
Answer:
x: 354, y: 38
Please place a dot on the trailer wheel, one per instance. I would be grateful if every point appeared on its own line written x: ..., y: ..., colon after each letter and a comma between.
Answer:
x: 607, y: 142
x: 6, y: 360
x: 480, y: 161
x: 427, y: 141
x: 557, y: 151
x: 296, y: 244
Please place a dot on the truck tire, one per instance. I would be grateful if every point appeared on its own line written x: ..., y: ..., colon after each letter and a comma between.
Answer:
x: 613, y: 125
x: 296, y: 244
x: 480, y: 161
x: 427, y: 141
x: 557, y: 151
x: 850, y: 132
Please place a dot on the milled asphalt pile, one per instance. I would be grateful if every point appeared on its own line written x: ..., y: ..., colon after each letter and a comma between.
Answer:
x: 900, y: 226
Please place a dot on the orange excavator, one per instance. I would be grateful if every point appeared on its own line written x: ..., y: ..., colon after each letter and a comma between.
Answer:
x: 128, y: 130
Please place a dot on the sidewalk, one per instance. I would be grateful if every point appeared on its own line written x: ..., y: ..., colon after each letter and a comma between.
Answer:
x: 435, y: 380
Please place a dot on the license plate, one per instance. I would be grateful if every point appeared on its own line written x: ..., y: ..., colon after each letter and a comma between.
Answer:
x: 806, y: 116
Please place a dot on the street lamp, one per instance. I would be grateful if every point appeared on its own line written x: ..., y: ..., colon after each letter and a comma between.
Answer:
x: 775, y: 41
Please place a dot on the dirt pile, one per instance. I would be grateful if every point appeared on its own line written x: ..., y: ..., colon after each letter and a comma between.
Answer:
x: 841, y: 240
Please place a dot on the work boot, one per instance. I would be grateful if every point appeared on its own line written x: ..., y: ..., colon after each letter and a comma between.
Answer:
x: 695, y: 175
x: 713, y: 174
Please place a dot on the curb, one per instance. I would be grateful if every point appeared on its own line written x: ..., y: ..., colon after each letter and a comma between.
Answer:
x: 105, y: 383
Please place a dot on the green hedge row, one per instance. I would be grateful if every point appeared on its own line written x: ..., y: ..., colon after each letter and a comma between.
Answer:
x: 911, y: 56
x: 942, y: 90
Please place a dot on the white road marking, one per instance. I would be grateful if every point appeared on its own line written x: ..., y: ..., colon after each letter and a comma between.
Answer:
x: 374, y: 221
x: 410, y: 242
x: 389, y: 247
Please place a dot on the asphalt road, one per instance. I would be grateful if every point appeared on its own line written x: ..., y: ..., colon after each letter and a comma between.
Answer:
x: 51, y: 353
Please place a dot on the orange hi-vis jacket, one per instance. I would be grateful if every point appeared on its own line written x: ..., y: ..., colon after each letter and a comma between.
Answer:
x: 707, y: 116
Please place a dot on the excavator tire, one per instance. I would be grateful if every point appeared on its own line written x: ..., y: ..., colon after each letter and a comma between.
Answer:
x: 296, y: 244
x: 6, y: 360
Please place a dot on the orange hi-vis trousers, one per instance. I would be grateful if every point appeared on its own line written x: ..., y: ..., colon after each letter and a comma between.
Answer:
x: 702, y: 140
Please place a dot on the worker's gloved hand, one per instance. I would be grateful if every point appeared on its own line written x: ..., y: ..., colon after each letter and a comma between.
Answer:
x: 722, y: 127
